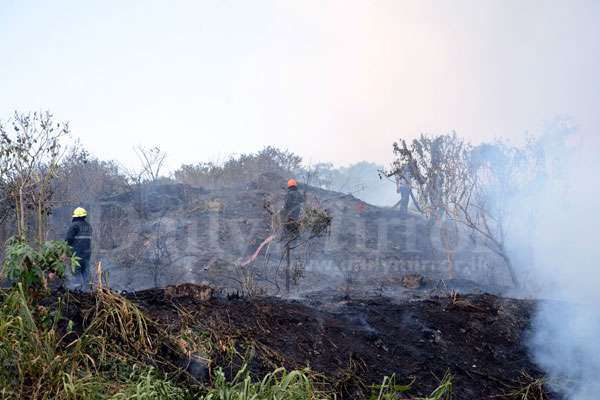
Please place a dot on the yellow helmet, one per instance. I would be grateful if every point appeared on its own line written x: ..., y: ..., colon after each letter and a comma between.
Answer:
x: 79, y: 212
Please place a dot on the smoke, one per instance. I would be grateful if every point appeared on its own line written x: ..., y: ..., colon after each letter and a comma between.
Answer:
x: 559, y: 220
x: 360, y: 179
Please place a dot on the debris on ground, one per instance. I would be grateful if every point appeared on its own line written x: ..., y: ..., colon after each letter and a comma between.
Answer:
x: 352, y: 344
x: 413, y: 281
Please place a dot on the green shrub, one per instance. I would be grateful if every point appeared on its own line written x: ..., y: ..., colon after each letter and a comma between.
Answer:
x: 29, y: 353
x: 30, y: 266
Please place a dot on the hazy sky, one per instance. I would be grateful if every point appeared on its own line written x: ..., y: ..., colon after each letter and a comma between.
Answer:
x: 330, y: 80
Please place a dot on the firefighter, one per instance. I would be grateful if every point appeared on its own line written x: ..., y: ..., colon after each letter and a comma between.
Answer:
x: 403, y: 182
x: 292, y: 208
x: 79, y: 237
x: 291, y: 218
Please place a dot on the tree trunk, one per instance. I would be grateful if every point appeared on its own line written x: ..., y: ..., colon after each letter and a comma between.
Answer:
x: 287, y: 267
x: 445, y: 238
x: 21, y: 229
x: 511, y: 270
x: 40, y: 223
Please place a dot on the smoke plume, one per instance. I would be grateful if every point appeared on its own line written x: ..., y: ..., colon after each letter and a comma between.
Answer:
x: 559, y: 219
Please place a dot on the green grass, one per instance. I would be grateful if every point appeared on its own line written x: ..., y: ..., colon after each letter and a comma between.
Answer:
x: 277, y: 385
x: 104, y: 361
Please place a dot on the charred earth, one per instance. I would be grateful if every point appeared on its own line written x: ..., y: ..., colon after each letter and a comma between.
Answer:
x: 349, y: 344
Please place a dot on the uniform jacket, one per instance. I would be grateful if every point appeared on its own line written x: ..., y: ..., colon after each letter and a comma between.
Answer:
x: 79, y: 237
x: 293, y: 204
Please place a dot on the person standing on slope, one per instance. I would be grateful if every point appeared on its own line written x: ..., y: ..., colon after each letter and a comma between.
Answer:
x: 403, y: 182
x: 292, y: 208
x: 79, y: 237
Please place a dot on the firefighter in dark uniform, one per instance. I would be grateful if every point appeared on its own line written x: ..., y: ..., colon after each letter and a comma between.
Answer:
x: 291, y: 219
x: 403, y: 182
x: 291, y: 209
x: 79, y: 237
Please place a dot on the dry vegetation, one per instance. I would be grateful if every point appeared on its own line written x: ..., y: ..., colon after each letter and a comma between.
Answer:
x: 54, y: 345
x: 114, y: 351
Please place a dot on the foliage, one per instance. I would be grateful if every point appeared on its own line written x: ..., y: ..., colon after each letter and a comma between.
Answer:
x: 149, y: 386
x: 42, y: 360
x: 84, y: 178
x: 29, y: 266
x: 440, y: 168
x: 443, y: 391
x: 277, y: 385
x: 241, y: 169
x: 456, y: 182
x: 33, y: 365
x: 315, y: 220
x: 31, y: 147
x: 439, y: 172
x: 389, y: 389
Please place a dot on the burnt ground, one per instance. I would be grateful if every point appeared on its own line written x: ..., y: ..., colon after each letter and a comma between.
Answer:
x: 479, y: 339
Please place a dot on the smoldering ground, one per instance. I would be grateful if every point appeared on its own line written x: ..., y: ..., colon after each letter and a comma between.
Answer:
x: 554, y: 240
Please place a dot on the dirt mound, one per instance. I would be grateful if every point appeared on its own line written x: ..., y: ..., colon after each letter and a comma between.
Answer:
x: 165, y: 233
x: 478, y: 339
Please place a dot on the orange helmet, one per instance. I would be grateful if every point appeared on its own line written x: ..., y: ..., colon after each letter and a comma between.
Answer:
x: 292, y: 183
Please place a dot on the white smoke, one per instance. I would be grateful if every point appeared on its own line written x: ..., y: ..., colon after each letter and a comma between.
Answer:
x: 562, y: 227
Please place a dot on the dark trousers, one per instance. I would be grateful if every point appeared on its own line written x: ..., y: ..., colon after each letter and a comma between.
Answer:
x: 82, y: 273
x: 291, y: 232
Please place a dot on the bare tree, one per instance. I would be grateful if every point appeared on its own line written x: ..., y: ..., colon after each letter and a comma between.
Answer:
x: 440, y: 170
x: 30, y: 152
x: 498, y: 173
x: 152, y: 160
x: 459, y: 183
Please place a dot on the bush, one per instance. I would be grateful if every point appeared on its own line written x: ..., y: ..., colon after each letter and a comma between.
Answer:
x: 41, y: 361
x: 32, y: 363
x: 29, y: 266
x: 240, y: 169
x: 83, y: 178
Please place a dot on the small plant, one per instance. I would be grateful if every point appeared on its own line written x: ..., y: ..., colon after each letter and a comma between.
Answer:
x: 444, y: 390
x: 279, y: 384
x: 30, y: 266
x: 149, y: 386
x: 315, y: 220
x: 389, y: 390
x: 529, y: 389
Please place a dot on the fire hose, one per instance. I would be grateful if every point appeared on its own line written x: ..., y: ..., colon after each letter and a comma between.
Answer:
x: 251, y: 259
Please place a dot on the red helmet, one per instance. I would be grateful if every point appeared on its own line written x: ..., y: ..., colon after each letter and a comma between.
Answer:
x: 292, y: 183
